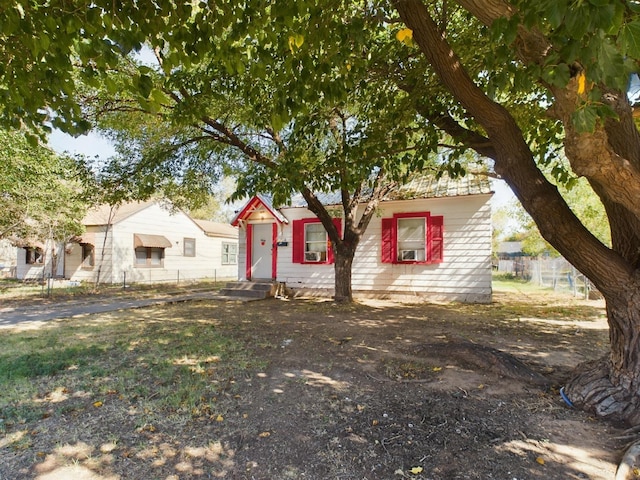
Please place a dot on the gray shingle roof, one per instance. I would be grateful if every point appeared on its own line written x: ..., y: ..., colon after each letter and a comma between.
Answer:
x: 419, y: 186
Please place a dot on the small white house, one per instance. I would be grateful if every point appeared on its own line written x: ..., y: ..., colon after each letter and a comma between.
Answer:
x: 34, y: 259
x: 431, y: 238
x: 150, y: 242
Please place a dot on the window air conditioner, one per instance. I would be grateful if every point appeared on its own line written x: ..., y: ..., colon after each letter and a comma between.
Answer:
x: 311, y: 256
x: 408, y: 255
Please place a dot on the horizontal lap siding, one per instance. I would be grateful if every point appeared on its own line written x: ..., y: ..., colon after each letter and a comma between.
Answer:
x: 466, y: 268
x: 154, y: 220
x: 119, y: 259
x: 465, y: 271
x: 301, y: 275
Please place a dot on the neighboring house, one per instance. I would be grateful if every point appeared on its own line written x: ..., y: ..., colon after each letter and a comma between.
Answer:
x: 146, y: 242
x: 35, y: 260
x: 431, y: 238
x: 8, y: 259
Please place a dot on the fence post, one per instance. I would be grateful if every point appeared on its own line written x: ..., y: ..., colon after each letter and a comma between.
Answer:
x: 178, y: 279
x: 124, y: 280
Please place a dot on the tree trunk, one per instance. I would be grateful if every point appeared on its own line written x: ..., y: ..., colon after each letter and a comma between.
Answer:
x: 610, y: 386
x: 343, y: 262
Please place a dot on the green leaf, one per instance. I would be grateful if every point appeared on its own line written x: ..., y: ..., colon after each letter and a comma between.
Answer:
x: 630, y: 39
x: 585, y: 119
x: 558, y: 75
x: 145, y: 84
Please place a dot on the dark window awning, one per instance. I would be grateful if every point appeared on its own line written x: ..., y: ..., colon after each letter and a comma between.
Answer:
x: 150, y: 241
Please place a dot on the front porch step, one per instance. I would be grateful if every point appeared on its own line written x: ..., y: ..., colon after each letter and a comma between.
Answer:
x: 258, y: 290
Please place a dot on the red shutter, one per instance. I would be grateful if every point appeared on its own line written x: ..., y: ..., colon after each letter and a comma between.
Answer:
x: 298, y: 241
x: 388, y: 240
x: 435, y: 244
x: 249, y: 246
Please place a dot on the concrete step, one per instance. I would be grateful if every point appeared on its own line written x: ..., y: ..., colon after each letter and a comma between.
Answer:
x: 249, y: 289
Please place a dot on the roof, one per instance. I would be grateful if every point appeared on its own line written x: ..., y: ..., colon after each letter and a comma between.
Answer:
x: 103, y: 214
x: 419, y: 186
x: 259, y: 201
x: 216, y: 229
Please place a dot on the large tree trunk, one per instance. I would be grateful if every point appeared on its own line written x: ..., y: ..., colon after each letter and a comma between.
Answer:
x: 342, y: 268
x: 610, y: 386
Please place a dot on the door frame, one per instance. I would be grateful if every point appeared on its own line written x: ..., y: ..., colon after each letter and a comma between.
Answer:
x: 249, y: 251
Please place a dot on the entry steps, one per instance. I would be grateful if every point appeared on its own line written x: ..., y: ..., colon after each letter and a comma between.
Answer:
x: 258, y: 289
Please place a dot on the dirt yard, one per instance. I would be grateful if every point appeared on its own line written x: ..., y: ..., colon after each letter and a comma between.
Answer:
x: 376, y: 390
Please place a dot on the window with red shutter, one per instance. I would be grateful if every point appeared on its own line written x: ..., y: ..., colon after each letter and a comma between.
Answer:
x: 310, y: 241
x: 412, y: 238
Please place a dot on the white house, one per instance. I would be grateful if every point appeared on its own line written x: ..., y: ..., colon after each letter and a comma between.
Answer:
x: 31, y: 259
x: 431, y: 238
x: 149, y: 242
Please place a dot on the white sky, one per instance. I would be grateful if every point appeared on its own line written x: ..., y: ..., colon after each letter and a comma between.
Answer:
x: 91, y: 145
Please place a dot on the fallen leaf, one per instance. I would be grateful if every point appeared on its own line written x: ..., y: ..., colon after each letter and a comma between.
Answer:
x: 436, y: 369
x: 416, y: 470
x: 97, y: 404
x: 374, y: 422
x: 264, y: 434
x: 540, y: 460
x: 219, y: 418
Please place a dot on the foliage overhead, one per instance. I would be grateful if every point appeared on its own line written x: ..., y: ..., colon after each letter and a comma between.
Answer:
x: 43, y: 194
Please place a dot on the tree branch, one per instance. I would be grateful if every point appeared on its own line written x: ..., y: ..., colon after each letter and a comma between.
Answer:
x: 513, y: 158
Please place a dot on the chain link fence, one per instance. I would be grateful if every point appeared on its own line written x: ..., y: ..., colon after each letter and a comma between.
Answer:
x: 555, y: 273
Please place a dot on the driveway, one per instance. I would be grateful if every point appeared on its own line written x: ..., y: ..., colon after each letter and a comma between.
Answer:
x: 10, y: 316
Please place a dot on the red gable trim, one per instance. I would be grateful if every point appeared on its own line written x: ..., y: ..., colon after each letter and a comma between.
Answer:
x: 251, y: 206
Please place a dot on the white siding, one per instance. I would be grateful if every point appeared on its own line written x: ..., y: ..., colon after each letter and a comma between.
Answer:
x: 41, y: 271
x: 464, y: 274
x: 118, y: 264
x: 102, y: 258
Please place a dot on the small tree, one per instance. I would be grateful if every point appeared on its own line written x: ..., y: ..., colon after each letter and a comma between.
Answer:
x: 43, y: 194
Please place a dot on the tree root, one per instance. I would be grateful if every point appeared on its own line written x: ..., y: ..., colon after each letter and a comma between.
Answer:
x: 591, y: 389
x: 629, y: 467
x: 487, y: 358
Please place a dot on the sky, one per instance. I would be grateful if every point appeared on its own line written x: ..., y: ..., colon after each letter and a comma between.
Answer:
x: 91, y: 145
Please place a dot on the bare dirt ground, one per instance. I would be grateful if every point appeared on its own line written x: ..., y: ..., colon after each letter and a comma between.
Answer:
x: 376, y: 390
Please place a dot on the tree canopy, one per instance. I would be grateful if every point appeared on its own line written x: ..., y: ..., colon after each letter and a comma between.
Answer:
x: 43, y: 194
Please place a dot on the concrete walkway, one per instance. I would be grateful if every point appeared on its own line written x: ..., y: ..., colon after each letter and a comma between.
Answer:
x: 11, y: 316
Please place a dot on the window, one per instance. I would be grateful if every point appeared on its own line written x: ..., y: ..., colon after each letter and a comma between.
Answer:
x: 189, y: 247
x: 88, y: 255
x: 149, y: 257
x: 310, y: 241
x: 412, y: 238
x: 229, y: 253
x: 34, y: 255
x: 315, y: 243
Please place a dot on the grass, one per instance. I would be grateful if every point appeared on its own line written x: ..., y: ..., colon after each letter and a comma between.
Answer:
x: 160, y: 359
